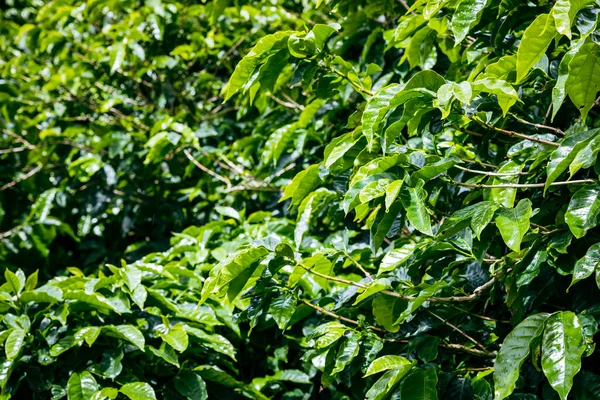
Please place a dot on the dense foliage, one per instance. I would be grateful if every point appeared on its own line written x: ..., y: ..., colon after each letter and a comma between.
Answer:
x: 374, y: 199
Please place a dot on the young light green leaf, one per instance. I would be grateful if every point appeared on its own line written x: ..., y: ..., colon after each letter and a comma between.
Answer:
x: 302, y: 184
x: 138, y: 391
x: 564, y: 155
x: 507, y: 96
x: 535, y: 42
x: 559, y: 92
x: 467, y: 15
x: 506, y: 196
x: 586, y: 265
x: 386, y: 363
x: 177, y: 337
x: 14, y: 282
x: 81, y: 386
x: 583, y: 82
x: 349, y: 349
x: 583, y: 212
x: 562, y: 348
x: 512, y: 354
x: 14, y: 343
x: 564, y: 12
x: 413, y: 199
x: 513, y: 223
x: 282, y: 308
x: 245, y: 68
x: 130, y: 333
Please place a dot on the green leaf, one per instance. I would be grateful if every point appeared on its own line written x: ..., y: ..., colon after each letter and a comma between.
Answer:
x: 583, y: 82
x: 564, y: 155
x: 387, y: 382
x: 138, y: 391
x: 586, y: 265
x: 562, y: 348
x: 92, y: 299
x: 14, y: 343
x: 413, y: 199
x: 513, y: 223
x: 282, y: 308
x: 177, y: 337
x: 15, y: 283
x: 535, y: 42
x: 506, y: 196
x: 129, y: 333
x: 564, y: 12
x: 191, y: 385
x: 32, y: 281
x: 349, y: 349
x: 421, y: 298
x: 559, y: 91
x: 386, y: 363
x: 513, y: 352
x: 583, y: 212
x: 302, y: 184
x: 231, y: 268
x: 245, y: 68
x: 397, y: 257
x: 467, y: 15
x: 106, y: 393
x: 420, y: 385
x: 507, y: 96
x: 81, y: 386
x: 44, y: 294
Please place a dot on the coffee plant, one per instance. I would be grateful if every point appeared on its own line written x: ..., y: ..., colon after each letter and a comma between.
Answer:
x: 319, y: 199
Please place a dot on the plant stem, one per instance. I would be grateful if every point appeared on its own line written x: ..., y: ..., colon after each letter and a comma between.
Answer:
x: 516, y: 134
x: 522, y: 185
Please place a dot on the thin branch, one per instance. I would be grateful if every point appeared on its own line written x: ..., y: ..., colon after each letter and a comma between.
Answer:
x: 452, y: 346
x: 19, y: 138
x: 10, y: 232
x: 522, y: 185
x: 208, y: 171
x: 26, y: 176
x: 339, y: 317
x: 357, y: 264
x: 356, y: 86
x: 483, y: 164
x: 13, y: 150
x: 287, y: 104
x: 487, y: 173
x: 466, y: 349
x: 475, y: 295
x: 463, y: 333
x: 516, y: 134
x: 477, y: 315
x: 538, y: 126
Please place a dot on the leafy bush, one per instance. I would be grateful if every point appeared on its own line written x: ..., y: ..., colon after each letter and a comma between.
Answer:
x: 393, y: 200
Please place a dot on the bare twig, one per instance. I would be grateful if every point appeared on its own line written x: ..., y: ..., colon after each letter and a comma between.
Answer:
x: 516, y: 134
x: 208, y: 171
x: 523, y: 185
x: 452, y: 346
x: 463, y: 333
x: 287, y: 104
x: 539, y: 126
x: 19, y: 138
x: 10, y: 232
x: 474, y: 171
x: 26, y: 176
x: 13, y: 150
x: 475, y: 295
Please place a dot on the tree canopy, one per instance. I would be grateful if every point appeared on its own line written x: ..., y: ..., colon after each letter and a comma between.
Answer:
x: 336, y: 199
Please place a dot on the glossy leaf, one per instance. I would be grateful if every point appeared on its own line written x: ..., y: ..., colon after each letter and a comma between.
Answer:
x: 562, y: 347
